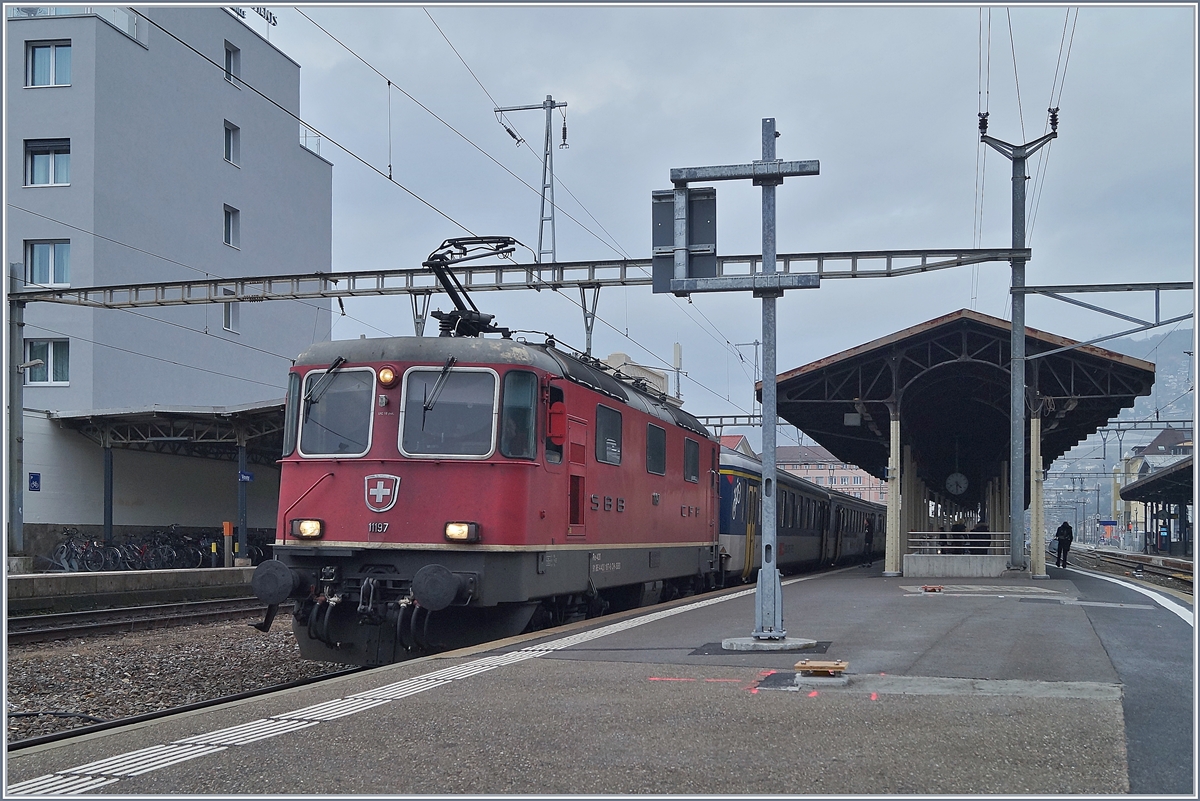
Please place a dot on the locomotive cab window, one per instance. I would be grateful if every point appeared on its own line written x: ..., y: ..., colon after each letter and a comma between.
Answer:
x: 291, y: 421
x: 518, y: 415
x: 554, y: 440
x: 448, y: 412
x: 336, y: 411
x: 656, y: 450
x: 691, y: 460
x: 608, y: 435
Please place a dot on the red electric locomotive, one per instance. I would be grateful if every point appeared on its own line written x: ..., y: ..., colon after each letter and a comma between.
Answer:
x: 437, y: 492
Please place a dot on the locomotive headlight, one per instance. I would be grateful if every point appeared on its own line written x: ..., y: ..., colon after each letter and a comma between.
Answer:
x: 307, y: 529
x: 462, y: 532
x: 387, y: 376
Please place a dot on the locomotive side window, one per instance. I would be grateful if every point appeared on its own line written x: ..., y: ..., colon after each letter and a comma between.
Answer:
x: 656, y: 450
x: 691, y: 460
x: 554, y: 450
x: 608, y: 435
x: 448, y: 412
x: 291, y: 420
x: 518, y: 415
x: 336, y: 412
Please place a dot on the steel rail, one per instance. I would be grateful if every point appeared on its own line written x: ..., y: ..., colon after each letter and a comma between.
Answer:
x: 63, y: 625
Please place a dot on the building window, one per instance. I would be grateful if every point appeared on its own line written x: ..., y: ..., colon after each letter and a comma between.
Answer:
x: 48, y: 162
x: 858, y: 479
x: 233, y: 143
x: 48, y: 64
x: 48, y: 263
x: 608, y: 435
x: 821, y: 480
x: 233, y: 62
x: 845, y: 479
x: 232, y: 235
x: 55, y: 355
x: 231, y: 318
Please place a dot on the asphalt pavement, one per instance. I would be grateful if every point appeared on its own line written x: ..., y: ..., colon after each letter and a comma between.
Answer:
x: 1073, y: 684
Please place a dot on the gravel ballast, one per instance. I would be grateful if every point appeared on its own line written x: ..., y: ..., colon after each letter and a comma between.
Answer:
x: 115, y: 676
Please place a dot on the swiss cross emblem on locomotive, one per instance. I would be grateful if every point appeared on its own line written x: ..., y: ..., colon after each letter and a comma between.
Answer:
x: 381, y: 491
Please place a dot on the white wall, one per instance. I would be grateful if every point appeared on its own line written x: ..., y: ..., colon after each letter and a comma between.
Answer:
x: 149, y: 489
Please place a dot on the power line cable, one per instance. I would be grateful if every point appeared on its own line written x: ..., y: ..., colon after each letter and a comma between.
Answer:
x: 148, y: 356
x: 314, y: 129
x: 1044, y: 157
x: 1016, y: 80
x: 458, y: 133
x: 376, y: 169
x: 205, y: 273
x: 720, y: 339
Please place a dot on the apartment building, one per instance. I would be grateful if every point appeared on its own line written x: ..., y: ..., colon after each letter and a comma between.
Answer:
x: 150, y: 145
x: 814, y: 463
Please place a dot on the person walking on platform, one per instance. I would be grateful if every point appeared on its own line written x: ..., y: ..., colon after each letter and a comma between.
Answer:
x: 868, y: 544
x: 1065, y: 537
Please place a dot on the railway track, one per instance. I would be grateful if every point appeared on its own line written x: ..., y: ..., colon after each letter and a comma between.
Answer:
x: 80, y: 731
x: 64, y: 625
x: 1176, y: 575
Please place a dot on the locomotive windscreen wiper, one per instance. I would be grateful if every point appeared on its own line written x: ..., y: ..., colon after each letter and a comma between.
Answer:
x: 432, y: 397
x: 318, y: 389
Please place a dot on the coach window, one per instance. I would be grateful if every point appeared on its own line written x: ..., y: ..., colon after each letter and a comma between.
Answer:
x: 335, y: 413
x: 449, y: 412
x: 517, y: 412
x: 608, y: 435
x: 656, y: 450
x: 691, y: 460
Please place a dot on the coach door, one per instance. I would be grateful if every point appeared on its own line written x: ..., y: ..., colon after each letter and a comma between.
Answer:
x: 577, y: 438
x: 753, y: 518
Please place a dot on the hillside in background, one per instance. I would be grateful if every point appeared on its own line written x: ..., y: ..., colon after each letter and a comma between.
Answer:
x: 1075, y: 476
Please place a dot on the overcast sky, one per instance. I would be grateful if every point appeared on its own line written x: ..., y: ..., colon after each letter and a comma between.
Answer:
x: 886, y: 98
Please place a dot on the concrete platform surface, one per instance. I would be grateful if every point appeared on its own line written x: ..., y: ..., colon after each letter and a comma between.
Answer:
x: 1075, y: 684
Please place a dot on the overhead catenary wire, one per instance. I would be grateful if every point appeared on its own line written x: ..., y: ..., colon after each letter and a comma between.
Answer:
x: 1016, y: 80
x: 379, y: 172
x: 1057, y: 84
x: 983, y: 90
x: 155, y: 358
x: 719, y: 337
x: 205, y: 273
x: 393, y: 85
x: 314, y: 129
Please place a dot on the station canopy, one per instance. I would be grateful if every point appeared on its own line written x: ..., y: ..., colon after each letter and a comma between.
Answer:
x: 210, y: 432
x: 1169, y: 485
x: 950, y: 378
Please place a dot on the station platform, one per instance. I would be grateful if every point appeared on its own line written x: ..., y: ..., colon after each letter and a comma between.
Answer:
x: 1073, y: 684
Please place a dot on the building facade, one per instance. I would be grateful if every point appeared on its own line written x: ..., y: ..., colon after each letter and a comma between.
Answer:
x: 149, y: 145
x: 814, y: 463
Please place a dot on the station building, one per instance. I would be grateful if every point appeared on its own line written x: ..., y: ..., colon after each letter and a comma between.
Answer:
x: 151, y: 145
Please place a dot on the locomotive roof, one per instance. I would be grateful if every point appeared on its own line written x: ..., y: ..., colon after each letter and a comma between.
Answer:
x: 480, y: 350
